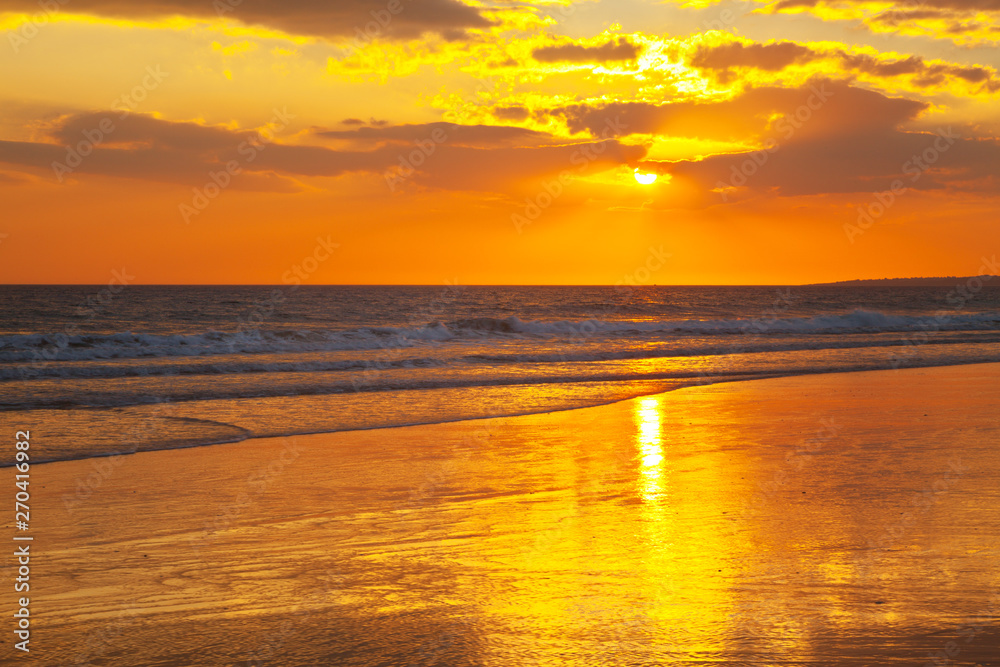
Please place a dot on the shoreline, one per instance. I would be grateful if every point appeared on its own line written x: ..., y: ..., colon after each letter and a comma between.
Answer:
x: 249, y: 436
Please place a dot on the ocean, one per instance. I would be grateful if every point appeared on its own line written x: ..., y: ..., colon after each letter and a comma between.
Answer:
x: 100, y: 370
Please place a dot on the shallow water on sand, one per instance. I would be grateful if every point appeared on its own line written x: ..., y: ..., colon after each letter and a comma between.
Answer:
x: 845, y: 519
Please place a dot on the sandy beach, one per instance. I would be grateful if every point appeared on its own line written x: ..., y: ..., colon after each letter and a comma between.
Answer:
x: 840, y: 519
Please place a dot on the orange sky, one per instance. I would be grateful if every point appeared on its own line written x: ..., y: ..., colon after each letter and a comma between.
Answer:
x: 498, y: 142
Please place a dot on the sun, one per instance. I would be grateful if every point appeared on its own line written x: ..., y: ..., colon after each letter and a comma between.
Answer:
x: 644, y: 178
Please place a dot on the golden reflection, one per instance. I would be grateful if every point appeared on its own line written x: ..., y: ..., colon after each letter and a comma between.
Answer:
x: 650, y: 445
x: 630, y: 526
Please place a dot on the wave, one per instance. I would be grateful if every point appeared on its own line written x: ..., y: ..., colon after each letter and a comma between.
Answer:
x: 96, y: 369
x: 98, y: 398
x: 107, y: 397
x: 858, y: 321
x: 247, y: 364
x: 129, y: 345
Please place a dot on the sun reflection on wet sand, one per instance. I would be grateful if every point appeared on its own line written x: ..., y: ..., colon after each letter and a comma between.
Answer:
x: 650, y: 443
x: 703, y: 525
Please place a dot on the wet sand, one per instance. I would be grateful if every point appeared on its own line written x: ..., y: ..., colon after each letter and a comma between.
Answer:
x: 843, y: 519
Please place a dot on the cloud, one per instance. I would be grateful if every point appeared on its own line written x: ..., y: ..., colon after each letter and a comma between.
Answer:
x: 449, y: 156
x: 514, y: 169
x: 13, y: 179
x: 355, y: 122
x: 851, y: 142
x: 452, y: 133
x: 619, y: 49
x: 775, y: 56
x: 964, y: 22
x: 823, y: 137
x: 320, y: 18
x: 749, y: 116
x: 922, y: 5
x: 769, y: 57
x: 852, y: 164
x: 145, y: 130
x: 923, y: 73
x: 514, y: 113
x: 961, y: 21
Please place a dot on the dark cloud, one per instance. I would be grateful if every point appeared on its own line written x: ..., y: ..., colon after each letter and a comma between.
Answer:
x: 749, y: 115
x: 853, y: 142
x: 770, y: 57
x: 515, y: 113
x: 150, y: 160
x: 850, y: 164
x: 448, y: 156
x: 777, y: 56
x: 506, y: 62
x: 353, y: 122
x: 924, y: 5
x: 148, y: 131
x: 960, y: 18
x: 620, y: 49
x: 957, y: 23
x: 924, y: 73
x: 322, y: 18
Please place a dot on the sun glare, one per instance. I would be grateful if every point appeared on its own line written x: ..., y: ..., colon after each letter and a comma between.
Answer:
x: 644, y: 178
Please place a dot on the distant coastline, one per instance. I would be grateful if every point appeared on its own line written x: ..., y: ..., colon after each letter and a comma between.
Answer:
x: 948, y: 281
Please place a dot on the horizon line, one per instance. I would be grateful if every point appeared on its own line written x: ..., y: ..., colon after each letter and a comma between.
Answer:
x: 457, y: 284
